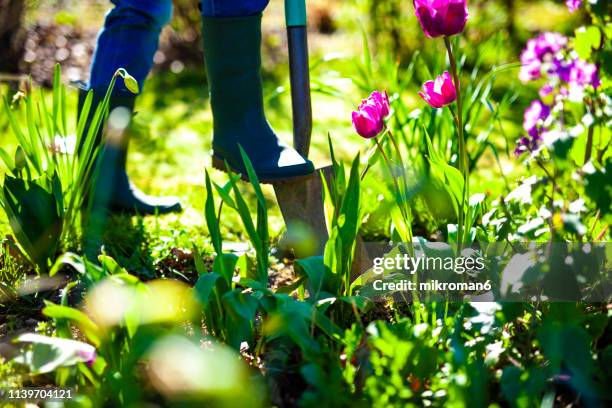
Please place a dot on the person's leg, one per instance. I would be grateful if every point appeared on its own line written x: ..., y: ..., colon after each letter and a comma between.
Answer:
x: 128, y: 40
x: 232, y: 50
x: 233, y: 8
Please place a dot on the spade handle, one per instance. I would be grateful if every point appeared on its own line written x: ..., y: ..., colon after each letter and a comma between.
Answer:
x: 301, y: 105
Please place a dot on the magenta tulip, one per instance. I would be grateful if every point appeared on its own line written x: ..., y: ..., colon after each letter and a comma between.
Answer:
x: 441, y: 17
x: 381, y: 100
x: 439, y: 93
x: 368, y: 120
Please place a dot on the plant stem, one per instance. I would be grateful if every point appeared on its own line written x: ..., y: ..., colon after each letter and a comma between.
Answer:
x: 463, y: 157
x: 369, y: 157
x: 589, y: 145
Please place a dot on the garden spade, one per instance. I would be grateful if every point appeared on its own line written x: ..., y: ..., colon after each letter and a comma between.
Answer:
x: 301, y: 201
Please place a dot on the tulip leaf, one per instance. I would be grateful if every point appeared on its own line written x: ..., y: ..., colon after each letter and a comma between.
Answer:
x: 449, y: 176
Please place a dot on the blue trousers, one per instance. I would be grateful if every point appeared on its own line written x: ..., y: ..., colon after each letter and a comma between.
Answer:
x: 130, y: 36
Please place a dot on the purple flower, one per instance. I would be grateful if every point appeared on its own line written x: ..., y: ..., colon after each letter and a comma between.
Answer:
x: 561, y: 68
x: 533, y: 123
x: 368, y: 120
x: 439, y: 93
x: 549, y: 43
x: 546, y: 91
x: 573, y: 5
x: 530, y: 70
x: 88, y: 355
x: 534, y: 117
x: 537, y: 51
x: 583, y: 74
x: 441, y: 17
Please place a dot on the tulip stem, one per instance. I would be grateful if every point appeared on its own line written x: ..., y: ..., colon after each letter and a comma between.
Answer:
x: 463, y: 157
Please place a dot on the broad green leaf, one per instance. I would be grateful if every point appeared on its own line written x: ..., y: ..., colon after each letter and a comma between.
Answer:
x: 205, y: 286
x: 89, y: 328
x: 110, y: 265
x: 314, y: 269
x: 48, y: 354
x: 33, y: 215
x: 586, y: 40
x: 225, y: 265
x: 449, y: 176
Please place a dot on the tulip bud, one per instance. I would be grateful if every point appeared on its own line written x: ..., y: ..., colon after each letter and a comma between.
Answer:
x: 441, y: 17
x: 439, y: 93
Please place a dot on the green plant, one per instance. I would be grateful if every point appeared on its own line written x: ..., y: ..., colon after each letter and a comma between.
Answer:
x: 46, y: 182
x: 229, y: 310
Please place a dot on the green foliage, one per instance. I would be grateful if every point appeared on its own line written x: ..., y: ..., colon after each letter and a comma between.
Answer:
x: 44, y: 190
x: 164, y: 343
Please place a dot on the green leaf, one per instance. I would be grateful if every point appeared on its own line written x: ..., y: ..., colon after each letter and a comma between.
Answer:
x: 224, y: 265
x: 205, y: 286
x: 8, y: 161
x: 351, y: 206
x: 314, y: 269
x: 224, y: 192
x: 241, y: 309
x: 211, y: 217
x: 360, y: 302
x: 445, y: 174
x: 110, y: 265
x: 240, y: 304
x: 199, y: 263
x: 89, y: 328
x: 34, y: 217
x: 586, y: 40
x: 48, y: 354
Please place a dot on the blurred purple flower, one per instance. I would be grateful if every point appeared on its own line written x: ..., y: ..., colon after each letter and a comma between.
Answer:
x: 530, y: 70
x: 573, y: 5
x: 583, y: 73
x: 546, y: 91
x: 368, y: 120
x: 439, y: 93
x: 537, y: 51
x: 534, y: 117
x: 88, y: 355
x: 441, y: 17
x: 561, y: 68
x: 527, y: 144
x: 533, y: 124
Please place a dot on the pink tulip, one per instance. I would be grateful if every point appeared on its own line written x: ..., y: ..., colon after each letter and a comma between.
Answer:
x: 381, y: 100
x: 441, y: 17
x: 439, y: 93
x: 368, y: 120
